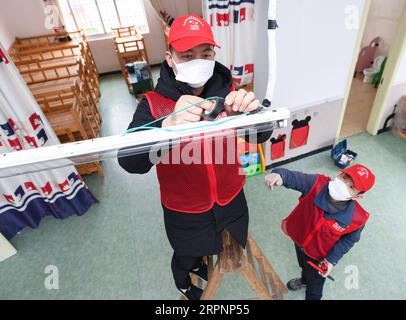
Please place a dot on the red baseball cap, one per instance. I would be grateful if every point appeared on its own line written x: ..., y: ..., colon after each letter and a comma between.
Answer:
x: 190, y: 31
x: 363, y: 178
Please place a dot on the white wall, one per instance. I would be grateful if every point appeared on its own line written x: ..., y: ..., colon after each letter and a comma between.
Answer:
x: 314, y: 51
x: 382, y: 21
x: 20, y: 18
x: 6, y: 35
x: 23, y: 18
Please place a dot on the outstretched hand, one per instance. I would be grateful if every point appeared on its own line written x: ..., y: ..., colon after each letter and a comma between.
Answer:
x: 273, y: 179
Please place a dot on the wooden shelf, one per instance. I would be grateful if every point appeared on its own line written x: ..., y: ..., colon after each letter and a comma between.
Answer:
x: 130, y: 47
x: 64, y: 79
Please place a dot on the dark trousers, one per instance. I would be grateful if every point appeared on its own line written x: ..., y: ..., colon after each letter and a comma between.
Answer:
x: 181, y: 267
x: 310, y: 276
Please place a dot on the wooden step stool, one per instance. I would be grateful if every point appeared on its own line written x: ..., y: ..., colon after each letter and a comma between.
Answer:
x: 251, y: 263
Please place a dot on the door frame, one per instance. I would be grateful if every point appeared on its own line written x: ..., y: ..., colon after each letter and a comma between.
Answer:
x: 384, y: 89
x: 361, y: 31
x: 394, y: 58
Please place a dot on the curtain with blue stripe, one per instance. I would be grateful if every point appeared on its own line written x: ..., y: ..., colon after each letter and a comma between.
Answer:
x: 26, y: 199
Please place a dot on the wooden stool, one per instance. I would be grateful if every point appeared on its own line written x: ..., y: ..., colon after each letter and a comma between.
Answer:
x: 251, y: 263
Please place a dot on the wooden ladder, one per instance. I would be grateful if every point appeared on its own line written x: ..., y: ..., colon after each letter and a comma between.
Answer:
x: 251, y: 263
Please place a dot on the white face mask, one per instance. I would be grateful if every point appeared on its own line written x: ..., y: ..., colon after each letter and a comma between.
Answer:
x: 338, y: 190
x: 194, y: 72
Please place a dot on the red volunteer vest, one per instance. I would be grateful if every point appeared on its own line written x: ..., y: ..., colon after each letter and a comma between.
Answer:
x: 308, y: 228
x: 195, y: 187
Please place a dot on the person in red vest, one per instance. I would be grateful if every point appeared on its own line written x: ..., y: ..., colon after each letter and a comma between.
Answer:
x: 326, y: 223
x: 199, y: 200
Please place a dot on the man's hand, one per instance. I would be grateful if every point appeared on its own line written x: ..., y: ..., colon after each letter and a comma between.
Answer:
x: 193, y: 114
x: 240, y: 101
x: 327, y: 266
x: 273, y: 179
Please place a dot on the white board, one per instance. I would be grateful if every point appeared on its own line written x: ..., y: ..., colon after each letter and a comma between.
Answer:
x: 315, y: 50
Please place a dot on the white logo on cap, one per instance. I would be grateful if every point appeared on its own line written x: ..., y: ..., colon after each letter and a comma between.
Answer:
x: 193, y: 23
x: 362, y: 172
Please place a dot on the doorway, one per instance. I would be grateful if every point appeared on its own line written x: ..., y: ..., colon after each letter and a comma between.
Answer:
x: 378, y: 36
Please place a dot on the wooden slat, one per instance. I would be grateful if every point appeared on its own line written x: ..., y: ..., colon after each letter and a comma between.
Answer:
x: 130, y: 47
x: 64, y: 80
x: 121, y: 32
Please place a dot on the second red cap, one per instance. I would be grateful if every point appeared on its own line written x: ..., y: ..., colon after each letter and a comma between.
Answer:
x: 363, y: 178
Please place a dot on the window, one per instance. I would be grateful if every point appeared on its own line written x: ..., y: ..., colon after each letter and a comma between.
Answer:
x: 99, y: 16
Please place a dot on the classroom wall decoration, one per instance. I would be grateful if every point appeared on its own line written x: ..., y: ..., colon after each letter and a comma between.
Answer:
x: 322, y: 118
x: 278, y: 147
x: 300, y: 132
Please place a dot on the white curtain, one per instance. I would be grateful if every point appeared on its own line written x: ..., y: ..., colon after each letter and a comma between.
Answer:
x: 25, y: 199
x: 233, y: 26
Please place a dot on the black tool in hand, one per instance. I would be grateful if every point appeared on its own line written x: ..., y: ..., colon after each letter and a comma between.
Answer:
x: 217, y: 109
x: 322, y: 269
x: 262, y: 107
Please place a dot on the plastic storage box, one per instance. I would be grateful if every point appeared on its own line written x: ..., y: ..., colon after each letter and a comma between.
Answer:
x: 341, y: 155
x: 139, y: 77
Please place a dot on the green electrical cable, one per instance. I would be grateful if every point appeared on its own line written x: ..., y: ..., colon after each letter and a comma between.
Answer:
x: 147, y: 125
x: 213, y: 123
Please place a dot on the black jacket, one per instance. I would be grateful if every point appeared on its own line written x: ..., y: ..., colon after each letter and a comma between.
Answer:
x: 193, y: 234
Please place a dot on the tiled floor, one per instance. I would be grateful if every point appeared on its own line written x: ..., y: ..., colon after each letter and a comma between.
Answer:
x: 119, y: 249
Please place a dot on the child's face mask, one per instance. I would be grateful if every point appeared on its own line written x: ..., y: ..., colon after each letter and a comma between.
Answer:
x: 338, y: 190
x: 194, y: 72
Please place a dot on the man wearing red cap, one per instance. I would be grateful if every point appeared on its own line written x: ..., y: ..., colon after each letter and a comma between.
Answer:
x: 199, y: 200
x: 326, y: 223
